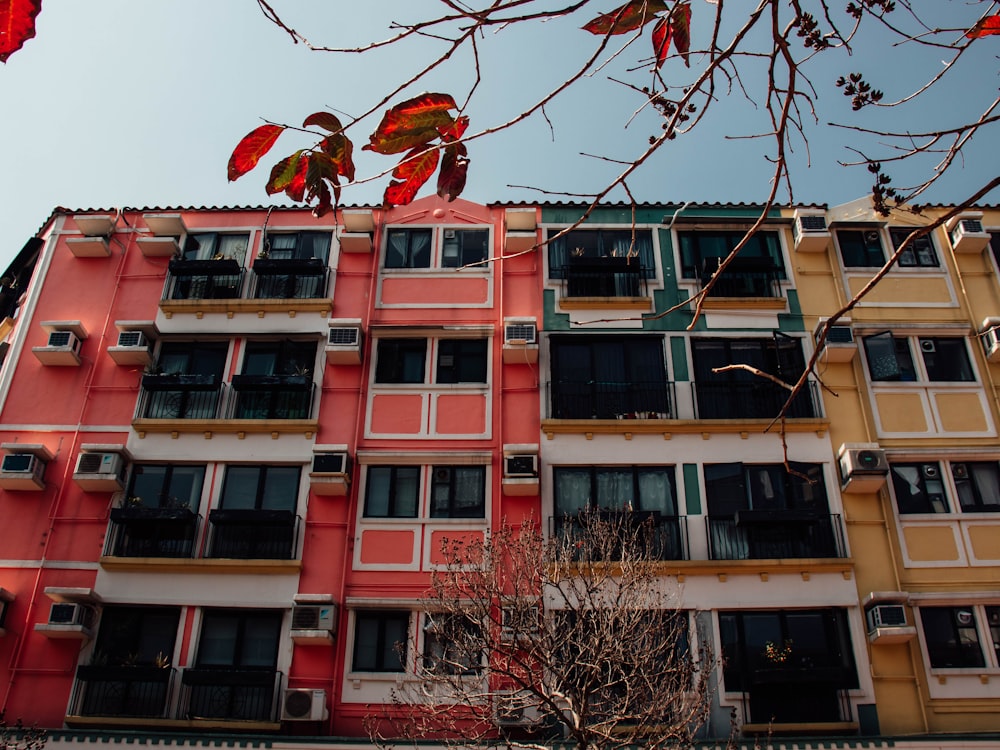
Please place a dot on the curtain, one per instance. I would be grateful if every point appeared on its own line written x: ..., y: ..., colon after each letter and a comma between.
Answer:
x: 656, y: 492
x: 572, y: 491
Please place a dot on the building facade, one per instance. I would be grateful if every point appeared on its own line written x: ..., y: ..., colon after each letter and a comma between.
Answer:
x: 235, y: 440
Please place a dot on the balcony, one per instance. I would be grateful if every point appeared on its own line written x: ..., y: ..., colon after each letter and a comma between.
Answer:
x: 755, y: 400
x: 203, y: 279
x: 289, y: 279
x: 743, y: 278
x: 271, y: 397
x: 623, y: 400
x: 175, y: 396
x: 151, y: 532
x: 231, y: 694
x: 775, y: 534
x: 604, y: 277
x: 797, y: 697
x: 658, y: 537
x: 248, y: 534
x: 120, y: 692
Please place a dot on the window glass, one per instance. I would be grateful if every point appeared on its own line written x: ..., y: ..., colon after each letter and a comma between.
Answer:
x: 590, y: 244
x: 460, y: 247
x: 946, y: 359
x: 951, y: 637
x: 919, y: 488
x: 993, y: 621
x: 193, y: 358
x: 619, y: 488
x: 919, y: 253
x: 861, y: 248
x: 211, y: 245
x: 279, y: 357
x: 400, y: 360
x: 889, y: 357
x: 408, y: 248
x: 702, y: 251
x: 450, y: 644
x: 261, y: 487
x: 978, y: 486
x: 461, y: 361
x: 380, y: 639
x: 167, y: 486
x: 732, y: 487
x: 298, y: 246
x: 458, y: 492
x: 136, y: 636
x: 392, y: 491
x: 239, y: 639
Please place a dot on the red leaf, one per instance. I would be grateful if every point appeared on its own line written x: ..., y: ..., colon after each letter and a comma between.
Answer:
x: 297, y: 187
x: 424, y: 111
x: 254, y: 145
x: 400, y: 141
x: 456, y: 130
x: 454, y: 169
x: 17, y: 24
x: 661, y: 40
x: 630, y: 16
x: 680, y: 26
x: 323, y: 120
x: 985, y: 27
x: 339, y: 148
x: 415, y: 169
x: 283, y: 173
x: 321, y: 192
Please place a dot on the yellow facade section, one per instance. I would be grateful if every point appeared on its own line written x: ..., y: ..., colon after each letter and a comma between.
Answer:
x: 902, y: 412
x: 926, y: 543
x: 901, y: 291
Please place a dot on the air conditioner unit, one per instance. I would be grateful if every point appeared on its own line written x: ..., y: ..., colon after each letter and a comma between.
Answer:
x: 840, y: 344
x: 22, y: 463
x: 135, y: 339
x: 64, y: 340
x: 71, y: 613
x: 331, y: 463
x: 520, y: 465
x: 63, y: 344
x: 314, y: 617
x: 863, y: 467
x: 100, y: 472
x: 810, y: 231
x: 967, y: 234
x: 990, y: 337
x: 519, y: 622
x: 343, y: 345
x: 886, y: 616
x: 520, y: 334
x: 303, y: 705
x: 518, y: 709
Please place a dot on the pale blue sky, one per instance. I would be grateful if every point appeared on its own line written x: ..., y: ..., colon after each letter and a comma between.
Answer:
x: 125, y: 103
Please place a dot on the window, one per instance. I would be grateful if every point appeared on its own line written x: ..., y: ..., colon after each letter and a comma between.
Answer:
x: 920, y: 487
x: 702, y: 251
x: 298, y: 246
x: 461, y: 360
x: 944, y: 358
x: 256, y: 517
x: 392, y: 491
x: 793, y: 663
x: 995, y: 246
x: 458, y: 492
x: 159, y: 517
x: 380, y: 640
x: 261, y: 488
x: 585, y: 245
x: 604, y: 377
x: 193, y: 358
x: 408, y: 248
x: 920, y: 253
x: 186, y: 382
x: 460, y: 247
x: 739, y: 394
x: 952, y: 637
x: 452, y: 644
x: 414, y: 248
x: 279, y: 358
x: 212, y: 245
x: 861, y: 248
x: 758, y: 511
x: 136, y: 636
x: 169, y: 486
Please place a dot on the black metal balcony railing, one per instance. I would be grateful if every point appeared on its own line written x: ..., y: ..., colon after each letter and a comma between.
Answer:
x: 593, y: 399
x: 247, y: 534
x: 797, y: 695
x: 604, y: 277
x: 657, y: 537
x: 203, y: 279
x: 288, y: 279
x: 176, y: 396
x: 233, y: 694
x: 757, y: 400
x: 757, y: 535
x: 744, y: 277
x: 151, y: 532
x: 115, y: 691
x: 271, y: 397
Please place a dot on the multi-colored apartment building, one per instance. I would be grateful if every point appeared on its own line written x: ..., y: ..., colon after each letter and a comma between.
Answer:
x: 234, y: 439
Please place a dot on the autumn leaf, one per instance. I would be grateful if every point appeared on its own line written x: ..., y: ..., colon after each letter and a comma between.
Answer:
x: 17, y: 24
x: 456, y: 130
x: 297, y: 185
x: 410, y: 175
x: 661, y: 40
x: 400, y: 141
x: 454, y: 169
x: 339, y: 148
x: 631, y: 16
x: 424, y: 111
x: 986, y: 27
x: 321, y: 193
x: 283, y: 173
x: 254, y: 145
x: 680, y: 27
x: 323, y: 120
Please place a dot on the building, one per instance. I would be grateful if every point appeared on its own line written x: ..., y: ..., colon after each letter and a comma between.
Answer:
x: 234, y: 440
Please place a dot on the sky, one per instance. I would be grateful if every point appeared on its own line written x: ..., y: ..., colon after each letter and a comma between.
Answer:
x: 118, y: 103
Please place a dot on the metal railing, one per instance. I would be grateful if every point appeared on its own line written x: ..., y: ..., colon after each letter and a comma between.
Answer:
x: 745, y: 284
x: 245, y: 534
x: 203, y: 279
x: 271, y: 397
x: 797, y: 695
x: 151, y: 532
x: 657, y: 537
x: 757, y: 535
x: 594, y: 399
x: 230, y: 693
x: 758, y: 400
x: 174, y: 397
x: 117, y: 691
x: 604, y: 277
x: 288, y: 279
x: 179, y: 397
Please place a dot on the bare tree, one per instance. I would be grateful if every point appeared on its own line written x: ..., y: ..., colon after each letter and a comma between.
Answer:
x: 577, y: 637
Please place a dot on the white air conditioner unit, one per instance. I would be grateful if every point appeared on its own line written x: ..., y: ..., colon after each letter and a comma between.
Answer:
x: 967, y: 234
x: 520, y: 334
x: 331, y: 472
x: 520, y: 341
x: 315, y: 617
x: 64, y: 340
x: 990, y: 337
x: 71, y: 613
x: 133, y: 339
x: 886, y: 616
x: 299, y: 704
x: 810, y: 231
x: 22, y: 471
x: 520, y: 465
x: 840, y: 344
x: 517, y: 709
x: 335, y: 462
x: 343, y: 344
x: 863, y: 467
x: 100, y: 472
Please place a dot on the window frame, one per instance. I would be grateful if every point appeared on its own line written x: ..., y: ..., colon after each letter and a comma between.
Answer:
x: 604, y: 238
x: 164, y: 494
x: 297, y: 252
x: 392, y: 500
x: 933, y: 651
x: 952, y: 494
x: 261, y: 488
x: 594, y: 501
x: 864, y: 255
x: 244, y: 617
x: 434, y: 256
x: 918, y: 370
x: 200, y: 251
x: 453, y: 510
x: 381, y: 617
x: 470, y: 358
x: 920, y: 254
x: 439, y: 643
x: 729, y: 237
